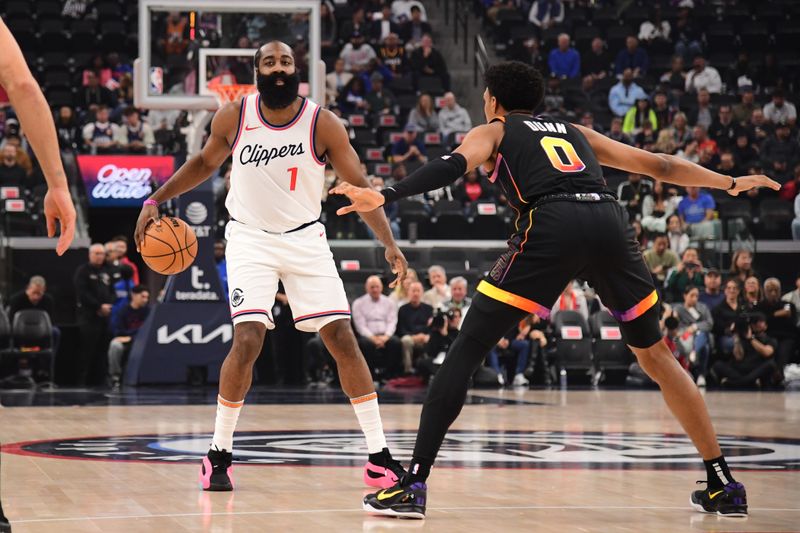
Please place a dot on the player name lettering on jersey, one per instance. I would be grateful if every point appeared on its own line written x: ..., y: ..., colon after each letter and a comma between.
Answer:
x: 546, y: 127
x: 257, y: 154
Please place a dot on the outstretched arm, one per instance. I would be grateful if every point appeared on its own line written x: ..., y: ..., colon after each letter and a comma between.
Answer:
x: 197, y: 169
x: 667, y: 167
x: 333, y: 140
x: 37, y: 123
x: 478, y: 146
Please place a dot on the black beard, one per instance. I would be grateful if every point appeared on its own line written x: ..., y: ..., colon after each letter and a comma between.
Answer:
x: 278, y: 96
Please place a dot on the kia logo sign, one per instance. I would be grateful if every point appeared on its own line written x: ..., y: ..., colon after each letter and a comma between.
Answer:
x: 197, y: 213
x: 123, y: 181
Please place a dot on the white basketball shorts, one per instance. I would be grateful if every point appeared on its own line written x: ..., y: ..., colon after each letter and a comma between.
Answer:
x: 302, y: 260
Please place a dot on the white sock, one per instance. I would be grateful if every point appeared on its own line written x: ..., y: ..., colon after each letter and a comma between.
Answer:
x: 227, y: 416
x: 369, y: 418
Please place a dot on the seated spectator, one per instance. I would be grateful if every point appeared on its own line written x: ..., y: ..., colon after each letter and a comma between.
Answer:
x: 69, y: 133
x: 779, y: 111
x: 94, y: 94
x: 443, y: 332
x: 632, y: 57
x: 409, y: 148
x: 11, y: 173
x: 744, y: 153
x: 744, y: 109
x: 752, y: 363
x: 33, y: 297
x: 401, y: 10
x: 703, y: 76
x: 353, y: 98
x: 400, y: 293
x: 124, y: 93
x: 675, y: 78
x: 424, y: 116
x: 704, y: 143
x: 23, y: 159
x: 664, y: 142
x: 473, y: 187
x: 452, y: 118
x: 413, y: 325
x: 637, y: 115
x: 427, y: 61
x: 615, y: 132
x: 640, y: 236
x: 695, y: 327
x: 356, y: 24
x: 412, y: 31
x: 758, y: 129
x: 703, y: 114
x: 528, y: 51
x: 781, y: 322
x: 624, y: 94
x: 685, y: 35
x: 587, y: 121
x: 688, y: 273
x: 631, y: 194
x: 564, y: 61
x: 328, y: 28
x: 545, y: 14
x: 99, y: 136
x: 134, y: 135
x: 741, y: 74
x: 646, y: 138
x: 439, y: 293
x: 727, y: 165
x: 779, y: 154
x: 124, y: 330
x: 393, y: 56
x: 380, y: 100
x: 678, y: 239
x: 681, y: 132
x: 515, y: 348
x: 655, y: 31
x: 336, y: 81
x: 659, y: 259
x: 357, y: 53
x: 664, y: 112
x: 711, y: 295
x: 554, y: 99
x: 458, y: 295
x: 794, y: 297
x: 382, y: 26
x: 752, y: 293
x: 725, y: 316
x: 724, y: 130
x: 597, y: 63
x: 375, y: 319
x: 658, y: 206
x: 571, y: 299
x: 697, y: 212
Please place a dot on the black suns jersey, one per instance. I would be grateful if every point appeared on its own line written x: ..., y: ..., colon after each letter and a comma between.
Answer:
x: 540, y: 156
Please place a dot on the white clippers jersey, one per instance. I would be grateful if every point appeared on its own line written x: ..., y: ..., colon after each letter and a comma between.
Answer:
x: 276, y: 179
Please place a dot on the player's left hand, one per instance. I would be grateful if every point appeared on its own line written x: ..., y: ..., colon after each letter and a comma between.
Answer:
x: 399, y: 264
x: 58, y: 206
x: 363, y: 199
x: 745, y: 183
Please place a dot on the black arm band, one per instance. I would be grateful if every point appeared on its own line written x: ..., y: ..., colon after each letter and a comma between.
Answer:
x: 733, y: 184
x: 429, y: 177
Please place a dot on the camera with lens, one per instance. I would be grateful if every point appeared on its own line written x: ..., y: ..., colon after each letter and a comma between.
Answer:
x: 440, y: 316
x: 742, y: 326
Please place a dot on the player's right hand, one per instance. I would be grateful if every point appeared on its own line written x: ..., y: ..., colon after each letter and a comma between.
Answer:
x: 58, y: 206
x: 148, y: 215
x: 364, y: 199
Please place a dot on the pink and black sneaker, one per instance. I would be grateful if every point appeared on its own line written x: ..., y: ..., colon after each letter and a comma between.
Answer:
x: 382, y: 471
x: 216, y: 472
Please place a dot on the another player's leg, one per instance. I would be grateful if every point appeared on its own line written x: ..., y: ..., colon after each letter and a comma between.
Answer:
x: 381, y: 469
x: 483, y: 326
x: 235, y: 379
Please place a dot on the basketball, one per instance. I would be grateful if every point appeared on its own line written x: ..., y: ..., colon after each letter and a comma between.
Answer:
x: 169, y: 248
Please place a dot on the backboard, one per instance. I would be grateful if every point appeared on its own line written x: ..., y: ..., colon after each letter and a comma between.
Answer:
x: 184, y: 44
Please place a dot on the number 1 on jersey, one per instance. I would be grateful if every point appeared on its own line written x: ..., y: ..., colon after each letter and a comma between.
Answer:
x: 562, y: 154
x: 293, y: 178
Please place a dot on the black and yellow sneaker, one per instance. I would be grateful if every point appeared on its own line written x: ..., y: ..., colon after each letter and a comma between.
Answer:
x: 398, y: 501
x: 5, y: 527
x: 730, y: 500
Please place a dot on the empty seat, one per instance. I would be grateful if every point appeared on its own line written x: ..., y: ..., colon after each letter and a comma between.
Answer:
x: 431, y: 85
x: 611, y: 354
x: 413, y: 213
x: 775, y: 218
x: 573, y: 341
x: 356, y: 258
x: 112, y: 36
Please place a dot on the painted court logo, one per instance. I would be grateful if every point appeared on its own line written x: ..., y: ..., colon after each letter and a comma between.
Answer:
x: 470, y: 449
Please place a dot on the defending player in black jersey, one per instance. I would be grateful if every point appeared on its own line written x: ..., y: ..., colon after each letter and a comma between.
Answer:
x: 567, y: 226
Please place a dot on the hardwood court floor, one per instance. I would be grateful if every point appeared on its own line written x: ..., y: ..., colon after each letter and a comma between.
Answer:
x: 633, y: 487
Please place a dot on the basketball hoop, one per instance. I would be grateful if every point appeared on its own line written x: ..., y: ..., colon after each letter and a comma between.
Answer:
x: 230, y: 92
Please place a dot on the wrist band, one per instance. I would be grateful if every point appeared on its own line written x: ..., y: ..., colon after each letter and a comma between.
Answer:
x: 150, y: 201
x: 733, y: 184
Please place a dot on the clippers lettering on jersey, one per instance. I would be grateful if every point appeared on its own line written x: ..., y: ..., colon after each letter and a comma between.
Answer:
x: 546, y: 127
x: 258, y: 155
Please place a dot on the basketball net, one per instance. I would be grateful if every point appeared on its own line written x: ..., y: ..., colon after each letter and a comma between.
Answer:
x: 226, y: 90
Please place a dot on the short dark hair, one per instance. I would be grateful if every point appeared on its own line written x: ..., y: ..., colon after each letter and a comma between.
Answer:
x: 122, y: 238
x: 257, y: 56
x: 515, y: 85
x: 659, y: 235
x: 128, y: 111
x: 415, y: 8
x: 139, y: 289
x: 671, y: 322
